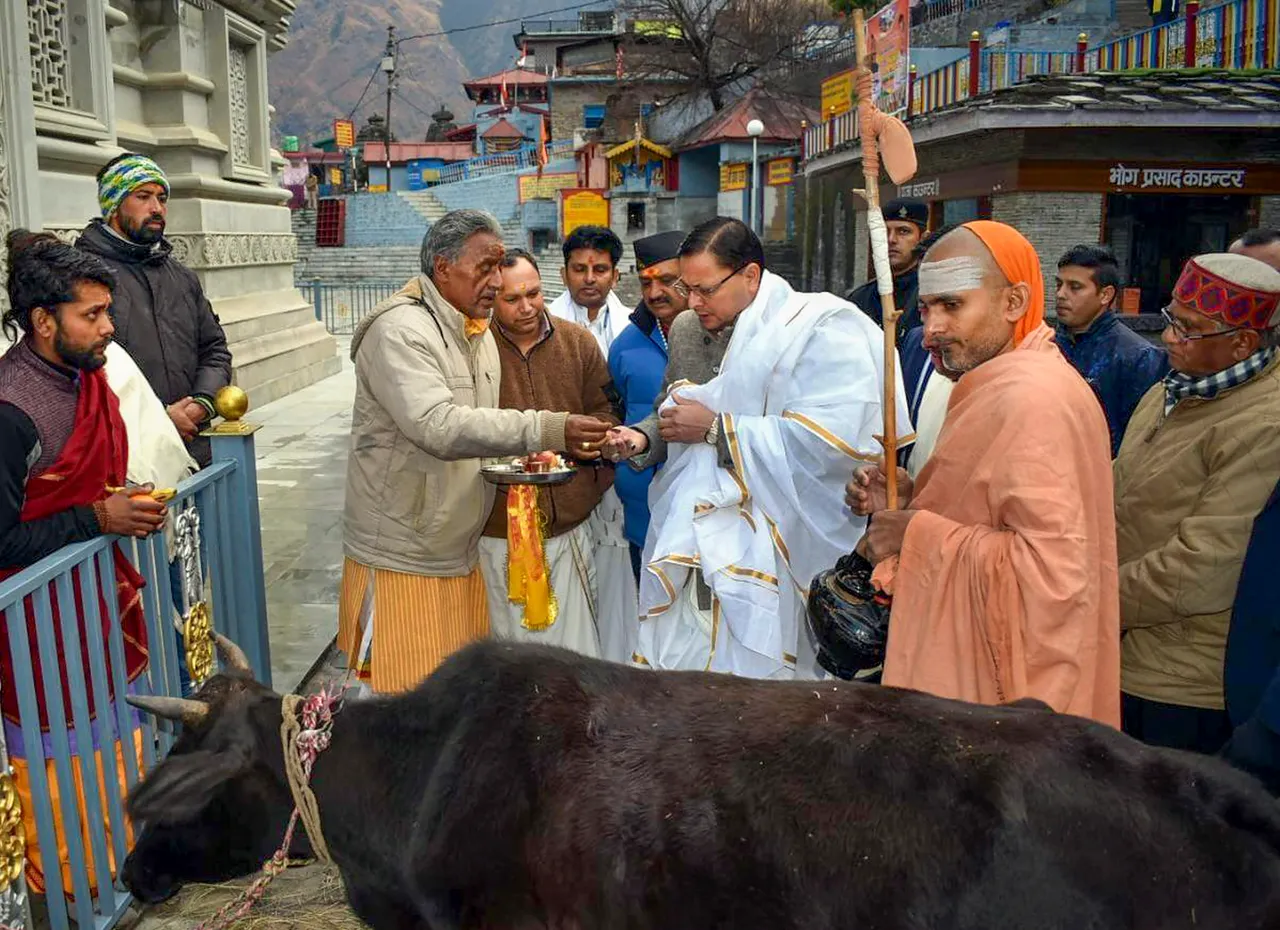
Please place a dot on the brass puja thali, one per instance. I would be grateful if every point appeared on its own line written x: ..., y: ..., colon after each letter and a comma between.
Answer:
x: 544, y: 468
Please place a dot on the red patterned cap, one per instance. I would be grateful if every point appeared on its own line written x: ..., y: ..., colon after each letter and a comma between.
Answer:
x: 1234, y: 289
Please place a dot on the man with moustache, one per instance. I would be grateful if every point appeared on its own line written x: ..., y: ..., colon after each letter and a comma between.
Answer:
x: 63, y: 447
x: 905, y: 223
x: 554, y: 364
x: 637, y: 361
x: 428, y: 379
x: 1199, y: 462
x: 163, y: 318
x: 1119, y: 364
x: 1002, y: 560
x: 590, y: 273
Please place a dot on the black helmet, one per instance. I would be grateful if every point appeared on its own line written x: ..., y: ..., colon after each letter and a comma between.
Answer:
x: 849, y: 618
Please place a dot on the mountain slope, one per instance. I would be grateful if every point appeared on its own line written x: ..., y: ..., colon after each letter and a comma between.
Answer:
x: 335, y: 45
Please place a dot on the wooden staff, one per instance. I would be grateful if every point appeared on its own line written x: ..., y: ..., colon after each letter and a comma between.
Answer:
x: 900, y: 162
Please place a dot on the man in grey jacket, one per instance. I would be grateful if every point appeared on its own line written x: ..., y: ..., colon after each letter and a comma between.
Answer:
x: 425, y: 414
x: 163, y: 318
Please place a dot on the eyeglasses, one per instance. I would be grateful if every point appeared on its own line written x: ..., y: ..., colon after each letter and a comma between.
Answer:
x: 1185, y: 335
x: 706, y: 293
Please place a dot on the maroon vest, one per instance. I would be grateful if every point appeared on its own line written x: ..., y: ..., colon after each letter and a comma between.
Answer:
x: 47, y: 395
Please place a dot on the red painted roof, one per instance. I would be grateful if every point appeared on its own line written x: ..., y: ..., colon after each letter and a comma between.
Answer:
x: 513, y: 77
x: 402, y: 152
x: 502, y: 130
x: 781, y: 117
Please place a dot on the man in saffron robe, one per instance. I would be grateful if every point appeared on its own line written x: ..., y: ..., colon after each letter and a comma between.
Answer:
x: 1002, y: 564
x: 62, y: 446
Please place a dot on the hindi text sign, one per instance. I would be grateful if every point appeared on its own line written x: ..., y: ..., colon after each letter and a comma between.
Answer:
x: 344, y: 134
x: 582, y: 207
x: 837, y: 94
x: 533, y: 187
x: 733, y: 176
x: 779, y: 172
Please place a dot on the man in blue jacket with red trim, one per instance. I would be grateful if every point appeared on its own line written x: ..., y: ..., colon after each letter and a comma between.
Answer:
x: 637, y: 362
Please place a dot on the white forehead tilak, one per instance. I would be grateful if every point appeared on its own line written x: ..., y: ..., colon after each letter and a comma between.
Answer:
x: 951, y: 275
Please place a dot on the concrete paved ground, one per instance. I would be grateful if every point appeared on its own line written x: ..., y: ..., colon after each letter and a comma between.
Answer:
x: 302, y: 466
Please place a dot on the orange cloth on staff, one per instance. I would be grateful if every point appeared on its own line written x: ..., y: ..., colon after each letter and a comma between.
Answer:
x: 528, y: 581
x: 1006, y: 585
x: 419, y: 620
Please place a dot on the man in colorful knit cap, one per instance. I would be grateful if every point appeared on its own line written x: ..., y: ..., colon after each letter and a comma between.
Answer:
x: 163, y: 318
x: 1198, y: 462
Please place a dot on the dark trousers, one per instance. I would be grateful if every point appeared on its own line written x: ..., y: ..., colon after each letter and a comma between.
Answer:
x: 636, y: 555
x: 1170, y: 725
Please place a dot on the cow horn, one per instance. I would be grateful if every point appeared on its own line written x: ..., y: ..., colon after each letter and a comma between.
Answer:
x: 190, y: 713
x: 233, y: 656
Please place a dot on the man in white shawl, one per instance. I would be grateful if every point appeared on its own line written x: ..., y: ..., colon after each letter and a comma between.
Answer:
x: 750, y: 505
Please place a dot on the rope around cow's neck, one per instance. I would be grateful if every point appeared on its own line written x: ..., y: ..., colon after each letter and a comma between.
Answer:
x: 304, y: 734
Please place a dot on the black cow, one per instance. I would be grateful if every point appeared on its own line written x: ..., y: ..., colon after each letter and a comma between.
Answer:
x: 523, y: 787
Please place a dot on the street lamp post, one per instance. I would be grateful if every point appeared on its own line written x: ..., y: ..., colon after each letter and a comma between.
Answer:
x: 388, y: 67
x: 754, y: 129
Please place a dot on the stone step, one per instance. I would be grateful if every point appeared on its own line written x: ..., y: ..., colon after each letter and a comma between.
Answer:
x: 265, y: 358
x: 242, y: 318
x: 287, y: 382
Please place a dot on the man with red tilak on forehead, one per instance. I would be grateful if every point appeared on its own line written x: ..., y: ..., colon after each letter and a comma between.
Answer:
x: 1199, y: 460
x: 1002, y: 562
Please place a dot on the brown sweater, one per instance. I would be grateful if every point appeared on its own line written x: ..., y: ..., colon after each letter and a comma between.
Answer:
x: 564, y: 372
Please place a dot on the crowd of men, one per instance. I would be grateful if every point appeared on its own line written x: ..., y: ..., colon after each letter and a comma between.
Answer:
x: 1083, y: 517
x: 1076, y: 503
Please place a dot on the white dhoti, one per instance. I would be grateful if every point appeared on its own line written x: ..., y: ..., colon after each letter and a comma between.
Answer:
x: 572, y: 570
x: 617, y: 607
x: 799, y: 395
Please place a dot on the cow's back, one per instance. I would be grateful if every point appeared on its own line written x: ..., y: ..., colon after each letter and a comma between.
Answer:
x: 613, y: 797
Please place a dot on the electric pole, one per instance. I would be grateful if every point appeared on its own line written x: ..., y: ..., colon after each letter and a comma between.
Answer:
x: 389, y: 69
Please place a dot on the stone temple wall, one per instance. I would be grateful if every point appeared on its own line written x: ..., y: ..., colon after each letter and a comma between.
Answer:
x: 184, y: 81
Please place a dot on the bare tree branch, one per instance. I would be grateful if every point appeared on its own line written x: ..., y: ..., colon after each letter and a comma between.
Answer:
x: 711, y: 45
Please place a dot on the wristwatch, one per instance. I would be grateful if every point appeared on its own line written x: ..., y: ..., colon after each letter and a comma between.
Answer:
x: 712, y: 436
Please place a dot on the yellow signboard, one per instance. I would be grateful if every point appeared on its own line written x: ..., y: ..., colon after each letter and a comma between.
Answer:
x: 344, y: 133
x: 733, y: 176
x: 837, y: 94
x: 780, y: 171
x: 533, y: 187
x: 335, y: 177
x: 582, y: 207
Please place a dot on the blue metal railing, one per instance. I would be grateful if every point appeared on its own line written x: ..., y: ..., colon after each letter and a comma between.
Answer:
x: 500, y: 163
x: 225, y: 495
x: 341, y: 306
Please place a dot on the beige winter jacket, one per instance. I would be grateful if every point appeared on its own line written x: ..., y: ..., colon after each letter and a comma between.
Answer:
x: 1188, y: 488
x: 424, y: 416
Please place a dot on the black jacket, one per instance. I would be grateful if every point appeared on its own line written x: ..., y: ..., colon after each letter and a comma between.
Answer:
x: 164, y: 321
x: 906, y: 297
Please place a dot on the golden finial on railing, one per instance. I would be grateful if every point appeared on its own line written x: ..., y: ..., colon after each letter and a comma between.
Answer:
x: 232, y: 403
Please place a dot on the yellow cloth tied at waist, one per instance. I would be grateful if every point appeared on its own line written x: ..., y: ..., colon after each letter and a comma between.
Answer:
x: 528, y: 580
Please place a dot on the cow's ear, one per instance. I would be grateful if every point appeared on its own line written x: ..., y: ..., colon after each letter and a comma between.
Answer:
x: 182, y: 786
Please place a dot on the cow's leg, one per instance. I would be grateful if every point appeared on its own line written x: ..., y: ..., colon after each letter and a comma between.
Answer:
x: 384, y: 911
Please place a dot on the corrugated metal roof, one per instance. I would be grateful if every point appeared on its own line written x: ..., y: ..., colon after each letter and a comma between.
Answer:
x: 502, y: 130
x: 781, y: 117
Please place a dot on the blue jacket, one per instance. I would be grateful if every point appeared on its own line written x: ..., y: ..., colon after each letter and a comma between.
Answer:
x: 1119, y: 365
x: 637, y: 363
x: 1251, y: 674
